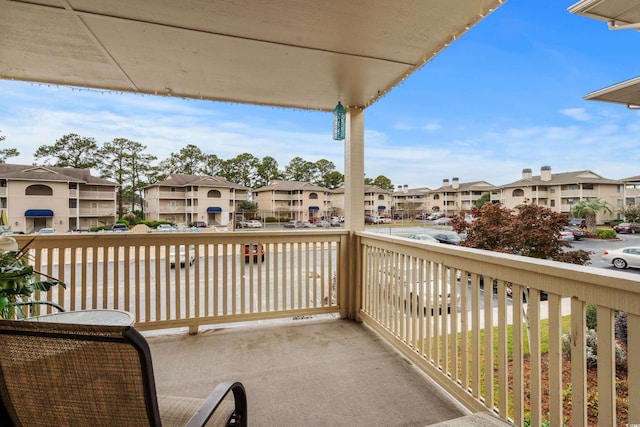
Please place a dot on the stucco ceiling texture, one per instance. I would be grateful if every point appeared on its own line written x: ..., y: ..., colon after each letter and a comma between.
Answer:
x: 305, y: 54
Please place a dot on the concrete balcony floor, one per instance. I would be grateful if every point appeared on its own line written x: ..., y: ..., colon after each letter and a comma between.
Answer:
x: 310, y: 372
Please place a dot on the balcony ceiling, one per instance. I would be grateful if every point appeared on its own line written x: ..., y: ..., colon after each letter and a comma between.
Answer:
x: 291, y: 53
x: 618, y: 14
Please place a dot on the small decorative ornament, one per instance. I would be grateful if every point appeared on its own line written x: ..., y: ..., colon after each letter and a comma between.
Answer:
x: 339, y: 122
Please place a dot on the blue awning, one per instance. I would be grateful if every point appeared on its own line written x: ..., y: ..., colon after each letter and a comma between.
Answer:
x: 214, y: 209
x: 381, y: 208
x: 38, y: 213
x: 314, y: 208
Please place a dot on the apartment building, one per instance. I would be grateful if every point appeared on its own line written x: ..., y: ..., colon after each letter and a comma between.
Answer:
x: 409, y: 202
x: 377, y: 201
x: 456, y: 197
x: 294, y: 199
x: 35, y: 197
x: 561, y: 191
x: 631, y: 190
x: 181, y: 198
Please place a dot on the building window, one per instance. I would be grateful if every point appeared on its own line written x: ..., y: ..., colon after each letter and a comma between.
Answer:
x: 518, y: 192
x: 313, y: 196
x: 73, y: 204
x: 553, y: 203
x: 381, y: 197
x: 3, y: 182
x: 73, y: 186
x: 214, y: 194
x: 552, y: 189
x: 38, y: 190
x: 436, y: 197
x: 587, y: 186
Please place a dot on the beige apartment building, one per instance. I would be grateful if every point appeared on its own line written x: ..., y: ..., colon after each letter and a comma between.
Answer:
x: 456, y: 197
x: 297, y: 200
x: 631, y: 191
x: 187, y: 198
x: 561, y: 191
x: 409, y: 202
x: 377, y: 201
x: 65, y: 199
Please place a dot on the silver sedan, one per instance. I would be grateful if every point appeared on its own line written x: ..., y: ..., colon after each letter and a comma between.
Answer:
x: 623, y: 258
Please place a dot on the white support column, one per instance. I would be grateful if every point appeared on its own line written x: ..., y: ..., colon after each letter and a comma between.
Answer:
x: 354, y: 171
x: 353, y: 213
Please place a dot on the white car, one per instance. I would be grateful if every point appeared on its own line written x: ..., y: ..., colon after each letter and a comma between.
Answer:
x: 47, y: 231
x: 164, y: 228
x: 443, y: 221
x: 254, y: 223
x: 182, y: 256
x: 623, y: 257
x: 424, y: 237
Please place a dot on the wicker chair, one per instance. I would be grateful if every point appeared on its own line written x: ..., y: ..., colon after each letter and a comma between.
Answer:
x: 88, y: 375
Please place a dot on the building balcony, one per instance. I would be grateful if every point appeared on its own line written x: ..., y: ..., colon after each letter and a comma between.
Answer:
x: 92, y: 212
x: 173, y: 209
x: 94, y: 195
x: 358, y: 328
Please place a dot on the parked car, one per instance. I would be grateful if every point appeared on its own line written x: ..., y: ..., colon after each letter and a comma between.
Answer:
x: 578, y: 222
x: 623, y: 258
x: 435, y: 215
x: 293, y: 224
x: 322, y: 223
x: 307, y: 224
x: 371, y: 219
x: 47, y: 230
x: 242, y: 224
x: 443, y: 221
x: 627, y: 227
x: 423, y: 236
x: 577, y: 233
x: 182, y: 256
x: 164, y: 228
x: 385, y: 220
x: 413, y: 288
x: 566, y: 234
x: 254, y: 250
x: 119, y: 227
x: 447, y: 237
x: 198, y: 224
x: 254, y: 223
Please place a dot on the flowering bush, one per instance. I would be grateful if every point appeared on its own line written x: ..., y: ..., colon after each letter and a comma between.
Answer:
x: 17, y: 278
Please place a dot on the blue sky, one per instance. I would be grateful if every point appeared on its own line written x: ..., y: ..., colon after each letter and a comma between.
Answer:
x: 506, y: 96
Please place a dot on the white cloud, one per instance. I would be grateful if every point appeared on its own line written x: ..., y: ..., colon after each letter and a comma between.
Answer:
x: 576, y: 113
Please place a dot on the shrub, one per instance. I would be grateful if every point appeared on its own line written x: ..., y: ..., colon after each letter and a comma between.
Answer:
x: 621, y: 326
x: 592, y: 316
x: 130, y: 218
x: 591, y: 341
x: 271, y: 219
x: 605, y: 233
x: 123, y: 221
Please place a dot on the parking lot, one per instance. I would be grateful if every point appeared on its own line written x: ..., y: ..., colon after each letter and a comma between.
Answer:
x: 593, y: 245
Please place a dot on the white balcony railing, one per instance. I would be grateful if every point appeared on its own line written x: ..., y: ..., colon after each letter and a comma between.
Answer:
x: 406, y: 287
x: 298, y: 275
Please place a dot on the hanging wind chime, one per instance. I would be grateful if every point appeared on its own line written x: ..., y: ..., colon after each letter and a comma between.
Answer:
x: 339, y: 122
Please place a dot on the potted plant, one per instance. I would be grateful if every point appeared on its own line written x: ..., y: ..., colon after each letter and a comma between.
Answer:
x: 18, y: 280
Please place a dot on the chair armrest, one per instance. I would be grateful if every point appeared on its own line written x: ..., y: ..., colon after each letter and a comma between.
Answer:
x: 33, y: 304
x: 212, y: 402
